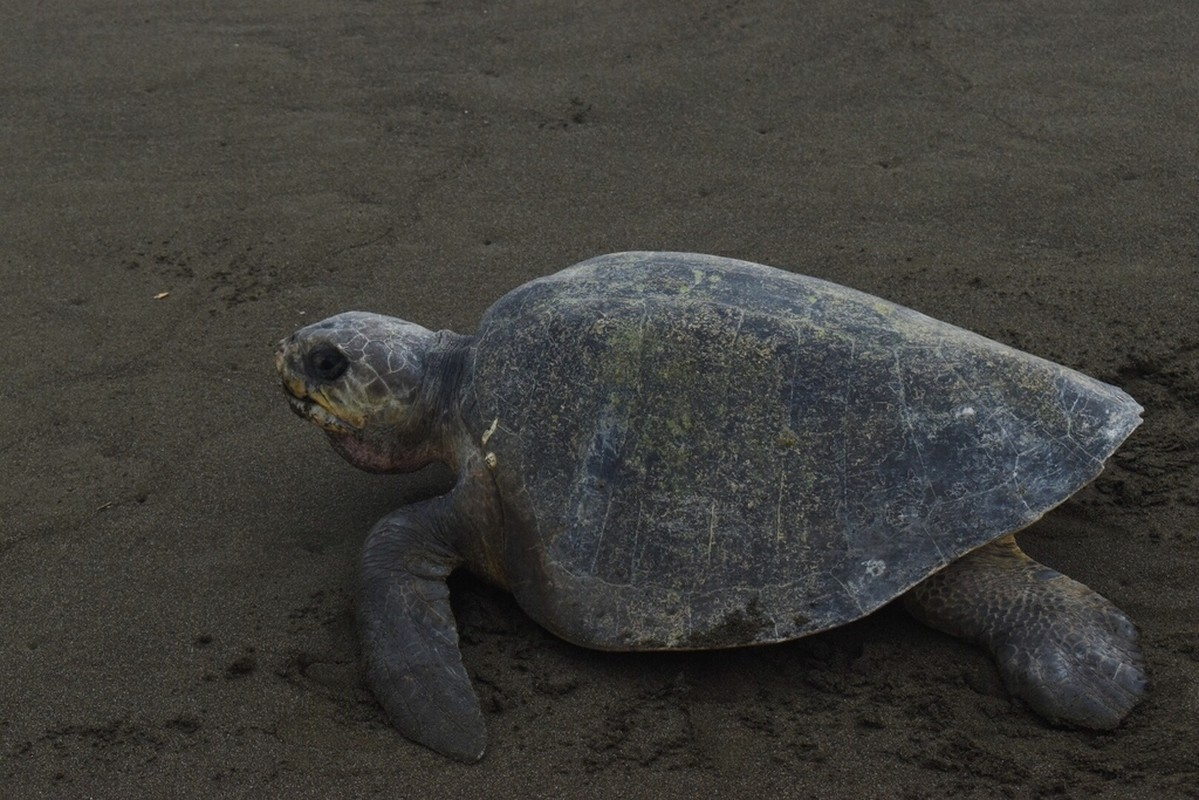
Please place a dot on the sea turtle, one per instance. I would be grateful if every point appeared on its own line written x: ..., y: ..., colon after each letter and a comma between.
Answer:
x: 659, y: 451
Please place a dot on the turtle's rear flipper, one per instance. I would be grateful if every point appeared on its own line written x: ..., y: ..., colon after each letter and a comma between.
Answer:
x: 410, y: 640
x: 1060, y: 647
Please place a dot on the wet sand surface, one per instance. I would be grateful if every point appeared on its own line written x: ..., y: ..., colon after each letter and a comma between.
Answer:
x: 183, y: 184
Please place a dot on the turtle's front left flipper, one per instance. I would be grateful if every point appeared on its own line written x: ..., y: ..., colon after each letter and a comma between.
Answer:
x: 410, y: 639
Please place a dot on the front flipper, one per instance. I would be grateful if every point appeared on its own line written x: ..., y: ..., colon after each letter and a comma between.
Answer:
x: 409, y: 637
x: 1060, y: 647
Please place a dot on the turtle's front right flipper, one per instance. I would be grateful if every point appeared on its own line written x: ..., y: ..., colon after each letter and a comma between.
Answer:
x: 409, y: 637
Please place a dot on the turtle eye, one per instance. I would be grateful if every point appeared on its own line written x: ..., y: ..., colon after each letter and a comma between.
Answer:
x: 327, y: 362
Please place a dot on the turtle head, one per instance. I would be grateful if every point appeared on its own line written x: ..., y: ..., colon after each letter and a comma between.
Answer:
x: 367, y: 380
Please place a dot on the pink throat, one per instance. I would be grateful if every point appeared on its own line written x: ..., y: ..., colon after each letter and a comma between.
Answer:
x: 373, y: 458
x: 361, y: 454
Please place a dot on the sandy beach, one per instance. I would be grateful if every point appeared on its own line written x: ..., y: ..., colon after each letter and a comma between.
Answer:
x: 184, y: 184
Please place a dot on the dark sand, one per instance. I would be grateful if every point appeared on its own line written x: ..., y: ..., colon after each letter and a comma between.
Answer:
x: 178, y: 551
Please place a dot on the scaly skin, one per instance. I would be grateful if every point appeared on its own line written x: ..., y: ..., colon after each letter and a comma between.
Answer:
x: 385, y: 392
x: 380, y: 387
x: 1060, y: 646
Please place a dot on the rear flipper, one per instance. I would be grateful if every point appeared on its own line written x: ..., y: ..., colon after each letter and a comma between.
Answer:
x: 409, y: 638
x: 1060, y: 647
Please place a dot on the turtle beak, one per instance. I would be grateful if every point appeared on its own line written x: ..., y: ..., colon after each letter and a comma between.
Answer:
x: 310, y: 401
x: 291, y: 377
x: 314, y: 411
